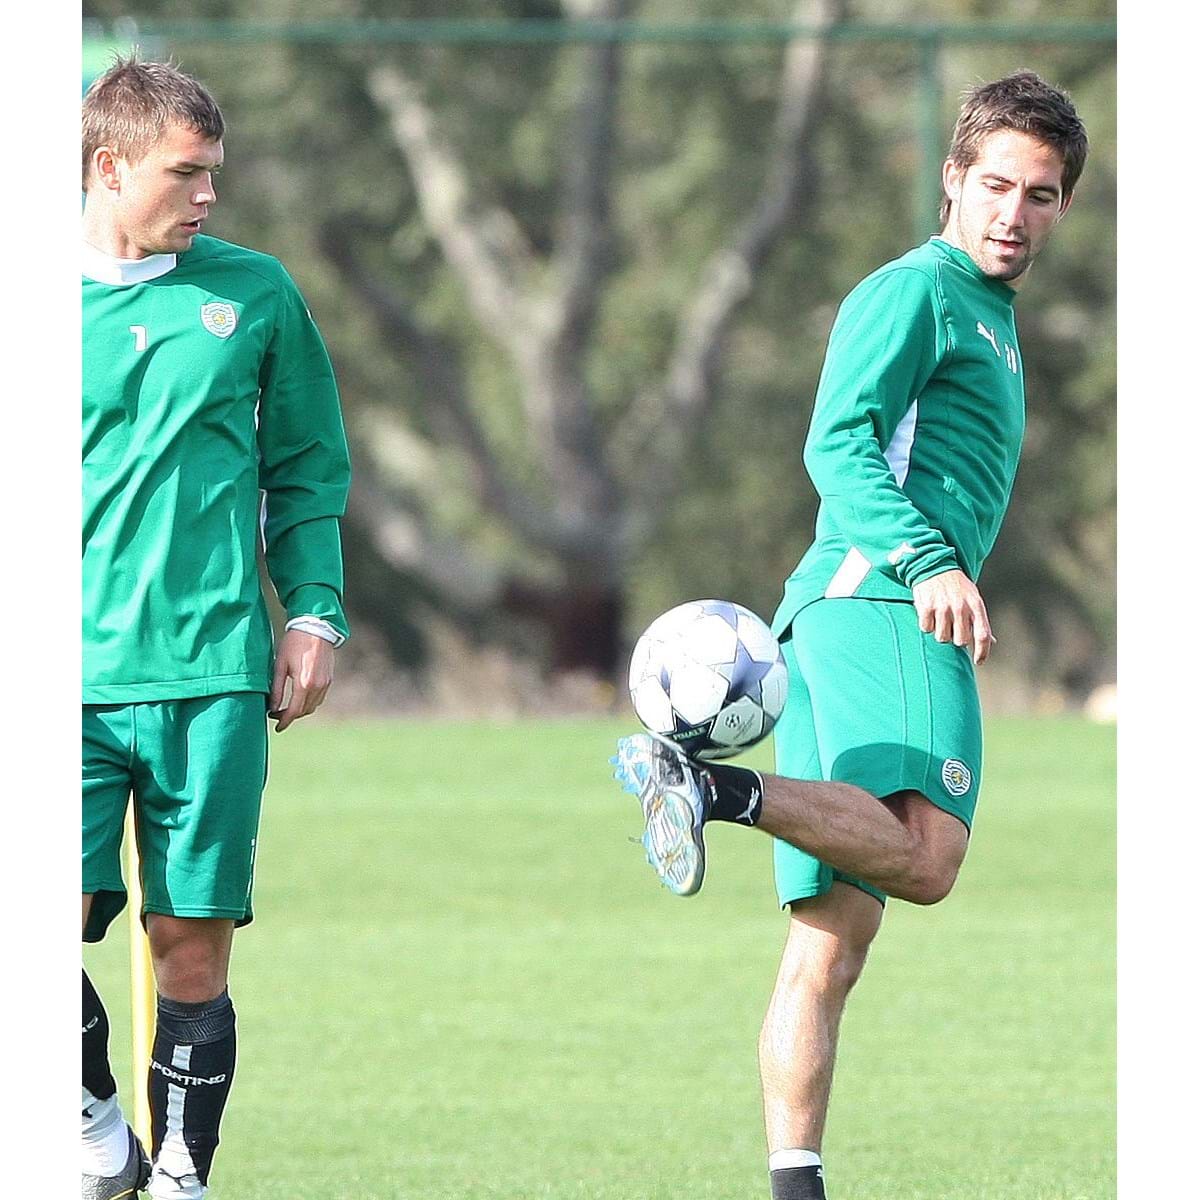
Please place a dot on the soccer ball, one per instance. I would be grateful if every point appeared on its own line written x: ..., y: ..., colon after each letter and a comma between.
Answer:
x: 710, y: 676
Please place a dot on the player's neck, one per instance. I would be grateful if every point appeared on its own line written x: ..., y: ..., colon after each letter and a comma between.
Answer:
x: 101, y: 232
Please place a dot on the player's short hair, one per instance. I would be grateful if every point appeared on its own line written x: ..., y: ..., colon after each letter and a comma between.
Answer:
x: 1023, y: 101
x: 128, y: 107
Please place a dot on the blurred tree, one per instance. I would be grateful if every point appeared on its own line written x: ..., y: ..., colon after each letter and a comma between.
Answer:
x: 578, y: 297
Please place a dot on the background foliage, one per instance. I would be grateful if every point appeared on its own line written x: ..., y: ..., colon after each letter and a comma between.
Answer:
x: 631, y: 496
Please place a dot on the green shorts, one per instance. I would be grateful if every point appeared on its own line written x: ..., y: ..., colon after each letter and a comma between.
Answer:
x: 875, y: 702
x: 196, y: 770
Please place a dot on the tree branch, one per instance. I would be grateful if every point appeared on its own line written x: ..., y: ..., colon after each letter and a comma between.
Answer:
x: 584, y: 249
x: 544, y: 334
x: 664, y: 421
x: 436, y: 361
x: 485, y: 244
x: 400, y: 537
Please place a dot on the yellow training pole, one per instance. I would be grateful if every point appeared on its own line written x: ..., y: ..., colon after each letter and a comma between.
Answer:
x: 141, y: 985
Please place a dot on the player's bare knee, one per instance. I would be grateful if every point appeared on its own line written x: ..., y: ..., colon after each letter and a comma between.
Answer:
x: 938, y: 845
x: 846, y: 971
x: 191, y: 957
x: 932, y: 882
x: 190, y: 980
x: 827, y: 968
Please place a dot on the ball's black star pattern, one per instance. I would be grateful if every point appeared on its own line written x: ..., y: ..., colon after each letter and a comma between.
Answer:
x: 745, y: 674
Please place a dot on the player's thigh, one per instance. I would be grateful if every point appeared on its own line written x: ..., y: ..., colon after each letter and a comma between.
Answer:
x: 844, y: 920
x: 106, y: 783
x: 199, y: 778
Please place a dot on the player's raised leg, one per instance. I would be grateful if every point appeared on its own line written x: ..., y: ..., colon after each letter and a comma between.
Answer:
x: 827, y: 942
x: 907, y: 848
x: 195, y: 1050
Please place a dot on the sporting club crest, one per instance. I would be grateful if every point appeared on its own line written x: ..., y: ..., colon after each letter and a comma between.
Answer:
x: 956, y: 777
x: 218, y: 318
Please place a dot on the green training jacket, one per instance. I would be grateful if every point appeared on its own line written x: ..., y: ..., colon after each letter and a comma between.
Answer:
x: 210, y: 418
x: 916, y: 431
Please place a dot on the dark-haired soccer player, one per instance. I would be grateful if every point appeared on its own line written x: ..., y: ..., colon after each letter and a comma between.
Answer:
x: 913, y: 449
x: 210, y: 413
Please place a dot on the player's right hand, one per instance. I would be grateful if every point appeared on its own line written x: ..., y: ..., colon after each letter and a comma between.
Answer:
x: 950, y: 607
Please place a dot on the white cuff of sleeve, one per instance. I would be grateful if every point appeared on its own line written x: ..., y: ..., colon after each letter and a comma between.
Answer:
x: 317, y: 627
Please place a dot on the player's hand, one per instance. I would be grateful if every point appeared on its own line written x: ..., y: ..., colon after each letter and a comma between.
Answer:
x: 950, y: 607
x: 306, y: 663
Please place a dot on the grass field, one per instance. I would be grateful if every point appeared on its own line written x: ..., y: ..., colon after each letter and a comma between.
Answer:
x: 464, y: 982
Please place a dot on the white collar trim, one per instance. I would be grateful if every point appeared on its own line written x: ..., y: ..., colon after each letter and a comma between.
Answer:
x: 103, y: 268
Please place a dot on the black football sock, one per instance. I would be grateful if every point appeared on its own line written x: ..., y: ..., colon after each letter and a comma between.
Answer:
x: 105, y: 1141
x: 97, y: 1074
x: 739, y: 794
x: 797, y: 1183
x: 191, y: 1070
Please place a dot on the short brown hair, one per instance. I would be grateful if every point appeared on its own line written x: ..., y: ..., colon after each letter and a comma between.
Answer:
x: 128, y: 107
x: 1027, y: 103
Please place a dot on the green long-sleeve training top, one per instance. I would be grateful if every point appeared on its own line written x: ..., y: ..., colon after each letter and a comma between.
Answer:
x: 916, y: 430
x: 210, y: 418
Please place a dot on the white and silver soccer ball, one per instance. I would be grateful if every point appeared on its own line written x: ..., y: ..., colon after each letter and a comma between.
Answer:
x: 710, y: 676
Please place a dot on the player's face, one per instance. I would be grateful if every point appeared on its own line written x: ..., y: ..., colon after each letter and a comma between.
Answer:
x: 1004, y: 206
x: 165, y: 197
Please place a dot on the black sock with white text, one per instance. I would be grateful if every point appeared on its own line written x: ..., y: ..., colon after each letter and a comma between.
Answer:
x: 191, y: 1069
x: 104, y: 1138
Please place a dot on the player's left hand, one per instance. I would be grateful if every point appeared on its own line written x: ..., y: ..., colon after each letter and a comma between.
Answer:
x: 950, y: 607
x: 307, y: 663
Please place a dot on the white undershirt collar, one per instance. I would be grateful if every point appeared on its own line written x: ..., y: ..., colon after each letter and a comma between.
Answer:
x: 103, y: 268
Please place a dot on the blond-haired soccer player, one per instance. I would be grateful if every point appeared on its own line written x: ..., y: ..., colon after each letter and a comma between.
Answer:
x: 210, y: 413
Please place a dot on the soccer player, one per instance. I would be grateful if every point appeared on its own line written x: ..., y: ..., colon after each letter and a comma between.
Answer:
x: 209, y: 412
x: 913, y: 449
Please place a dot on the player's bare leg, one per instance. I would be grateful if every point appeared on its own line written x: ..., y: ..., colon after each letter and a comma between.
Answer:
x: 827, y: 943
x: 904, y: 845
x: 192, y: 1064
x: 190, y: 955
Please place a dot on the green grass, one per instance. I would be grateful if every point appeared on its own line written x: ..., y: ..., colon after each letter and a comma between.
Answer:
x: 463, y: 982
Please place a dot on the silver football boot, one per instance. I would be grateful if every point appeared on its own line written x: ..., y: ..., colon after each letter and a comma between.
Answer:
x: 132, y: 1179
x: 676, y: 797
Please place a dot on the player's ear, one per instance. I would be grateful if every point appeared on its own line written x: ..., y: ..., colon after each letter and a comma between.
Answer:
x: 105, y: 168
x: 1062, y: 209
x: 952, y: 180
